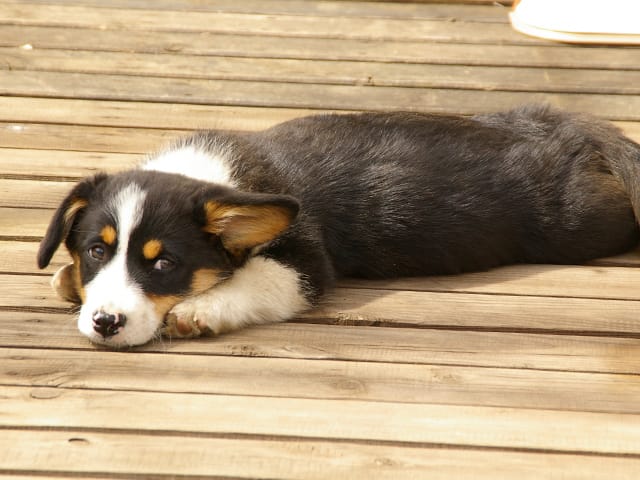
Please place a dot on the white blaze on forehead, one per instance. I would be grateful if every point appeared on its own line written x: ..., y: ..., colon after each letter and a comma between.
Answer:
x: 112, y: 290
x: 126, y: 208
x: 193, y: 162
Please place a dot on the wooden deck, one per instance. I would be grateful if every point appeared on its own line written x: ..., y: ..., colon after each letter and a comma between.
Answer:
x: 526, y: 372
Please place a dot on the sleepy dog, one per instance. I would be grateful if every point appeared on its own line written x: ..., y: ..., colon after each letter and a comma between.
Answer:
x: 223, y: 230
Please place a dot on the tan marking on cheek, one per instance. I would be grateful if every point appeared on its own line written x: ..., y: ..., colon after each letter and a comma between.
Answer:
x: 164, y: 303
x: 108, y: 235
x: 204, y: 279
x: 152, y: 249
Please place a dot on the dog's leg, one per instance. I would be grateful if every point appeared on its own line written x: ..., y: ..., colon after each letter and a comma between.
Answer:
x: 262, y: 291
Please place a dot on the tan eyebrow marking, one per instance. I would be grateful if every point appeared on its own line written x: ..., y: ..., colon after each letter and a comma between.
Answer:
x: 108, y: 234
x: 152, y: 249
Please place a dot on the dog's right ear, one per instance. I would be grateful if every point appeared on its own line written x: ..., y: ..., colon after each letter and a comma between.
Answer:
x: 64, y: 217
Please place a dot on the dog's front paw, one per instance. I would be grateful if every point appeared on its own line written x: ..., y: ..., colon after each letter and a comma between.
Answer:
x: 183, y: 321
x: 64, y: 284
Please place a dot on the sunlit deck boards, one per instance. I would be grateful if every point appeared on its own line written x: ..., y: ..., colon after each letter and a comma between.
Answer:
x: 526, y: 372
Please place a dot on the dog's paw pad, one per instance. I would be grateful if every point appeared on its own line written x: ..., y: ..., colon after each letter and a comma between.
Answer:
x: 179, y: 325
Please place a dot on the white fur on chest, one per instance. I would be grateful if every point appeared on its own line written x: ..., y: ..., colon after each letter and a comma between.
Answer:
x: 193, y: 162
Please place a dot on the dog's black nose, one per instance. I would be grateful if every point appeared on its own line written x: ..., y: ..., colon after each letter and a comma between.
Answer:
x: 107, y: 324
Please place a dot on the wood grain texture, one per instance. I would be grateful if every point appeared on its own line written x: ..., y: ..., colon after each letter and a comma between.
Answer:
x: 85, y: 138
x: 131, y: 454
x: 296, y: 95
x: 528, y: 351
x: 350, y: 306
x: 547, y: 55
x: 258, y: 24
x: 520, y: 372
x: 74, y: 112
x: 495, y: 427
x: 489, y: 12
x: 327, y: 379
x: 506, y: 78
x: 23, y: 223
x: 61, y: 165
x: 479, y: 311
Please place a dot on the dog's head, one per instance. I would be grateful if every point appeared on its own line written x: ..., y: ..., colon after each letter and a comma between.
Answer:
x: 141, y: 241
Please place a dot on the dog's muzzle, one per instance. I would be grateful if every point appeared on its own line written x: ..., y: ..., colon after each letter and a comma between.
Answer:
x: 107, y: 324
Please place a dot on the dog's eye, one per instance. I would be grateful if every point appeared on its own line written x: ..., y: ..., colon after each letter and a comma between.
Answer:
x: 163, y: 265
x: 97, y: 252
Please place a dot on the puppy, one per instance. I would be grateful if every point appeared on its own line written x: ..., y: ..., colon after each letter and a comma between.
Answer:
x: 223, y: 230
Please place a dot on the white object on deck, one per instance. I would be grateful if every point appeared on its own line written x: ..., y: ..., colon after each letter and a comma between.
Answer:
x: 579, y: 21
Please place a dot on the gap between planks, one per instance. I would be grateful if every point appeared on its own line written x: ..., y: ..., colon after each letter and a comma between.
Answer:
x: 324, y: 379
x: 83, y: 127
x: 446, y: 348
x: 504, y: 78
x: 546, y: 55
x: 131, y: 453
x: 440, y: 310
x: 406, y: 29
x: 473, y: 426
x: 32, y: 118
x: 493, y: 12
x: 305, y: 96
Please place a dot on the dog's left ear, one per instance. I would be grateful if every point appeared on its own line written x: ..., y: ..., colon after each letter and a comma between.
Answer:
x: 245, y: 220
x: 63, y: 219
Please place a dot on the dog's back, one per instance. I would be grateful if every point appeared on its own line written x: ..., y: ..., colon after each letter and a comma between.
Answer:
x: 412, y: 194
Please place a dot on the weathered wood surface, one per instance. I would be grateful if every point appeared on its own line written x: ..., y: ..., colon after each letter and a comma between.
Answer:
x: 523, y: 372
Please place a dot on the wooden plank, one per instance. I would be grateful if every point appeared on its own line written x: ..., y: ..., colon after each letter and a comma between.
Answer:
x: 19, y: 112
x: 53, y: 164
x: 23, y: 223
x: 540, y: 280
x: 137, y: 114
x: 495, y: 427
x: 569, y: 353
x: 76, y: 453
x: 43, y: 476
x: 30, y: 292
x: 210, y: 44
x: 324, y: 72
x: 479, y: 311
x: 20, y: 257
x: 26, y: 13
x: 490, y: 12
x: 293, y: 95
x: 327, y: 379
x: 345, y: 306
x: 86, y: 139
x: 493, y: 12
x: 33, y: 193
x: 20, y: 223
